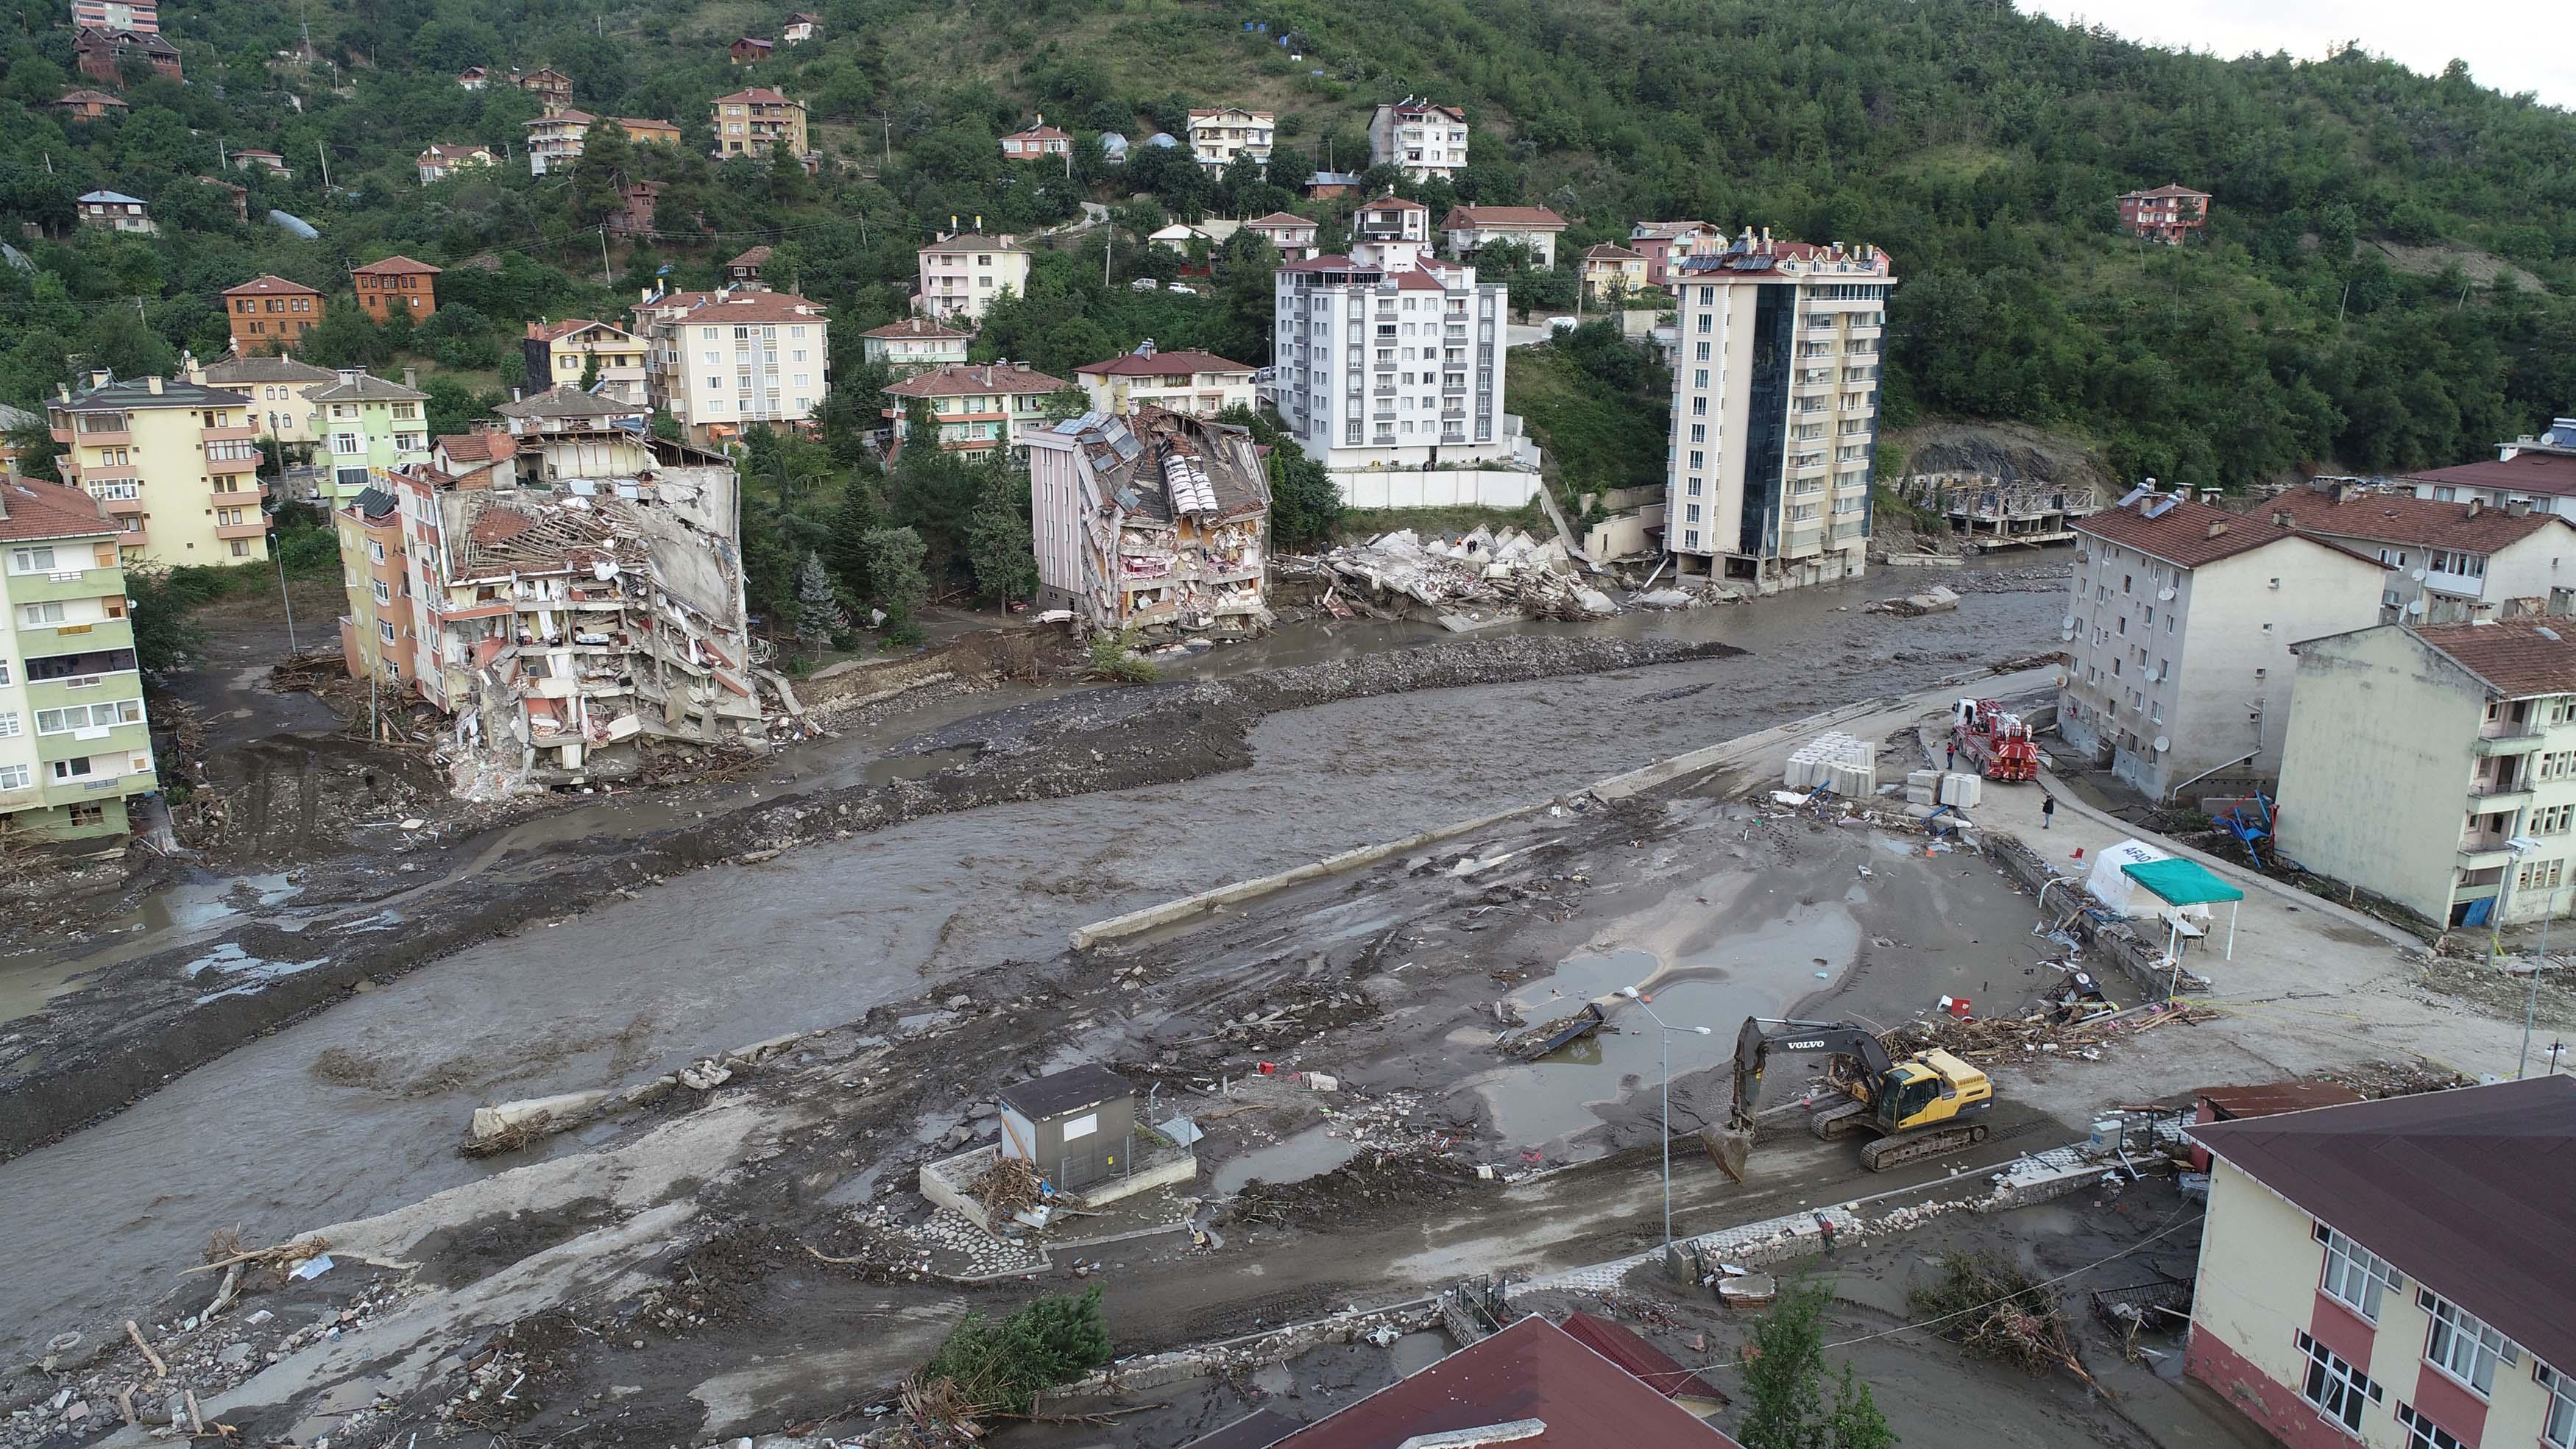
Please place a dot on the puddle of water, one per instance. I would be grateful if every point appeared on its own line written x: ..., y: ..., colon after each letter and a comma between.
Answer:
x: 1540, y: 1101
x: 1418, y: 1351
x: 246, y: 972
x: 1586, y: 978
x: 1310, y: 1153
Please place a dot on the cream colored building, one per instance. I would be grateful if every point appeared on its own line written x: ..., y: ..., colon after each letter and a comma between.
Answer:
x: 1219, y: 135
x: 2448, y: 562
x: 2394, y: 1273
x: 913, y: 345
x: 963, y: 273
x: 175, y: 463
x: 557, y: 354
x: 2428, y: 765
x: 1201, y: 384
x: 721, y: 361
x: 751, y: 122
x: 1427, y: 141
x: 2178, y: 629
x: 978, y: 408
x: 275, y: 386
x: 1775, y: 411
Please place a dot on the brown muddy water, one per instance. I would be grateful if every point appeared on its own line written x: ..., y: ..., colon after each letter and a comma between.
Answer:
x: 360, y: 1108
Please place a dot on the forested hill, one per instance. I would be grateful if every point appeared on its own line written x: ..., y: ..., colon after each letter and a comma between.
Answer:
x: 2388, y: 280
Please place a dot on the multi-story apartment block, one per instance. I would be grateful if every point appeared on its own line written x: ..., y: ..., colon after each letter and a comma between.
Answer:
x: 1219, y: 135
x: 558, y: 353
x: 2178, y: 629
x: 1292, y: 234
x: 270, y: 314
x: 1391, y: 231
x: 1387, y: 359
x: 753, y: 122
x: 913, y: 345
x: 2431, y: 763
x: 586, y: 598
x: 1428, y: 141
x: 2386, y: 1274
x: 175, y: 464
x: 1775, y: 411
x: 1036, y: 143
x: 115, y: 211
x: 74, y: 743
x: 1467, y: 228
x: 2167, y: 214
x: 555, y: 138
x: 372, y: 426
x: 978, y: 408
x: 2448, y: 563
x: 1200, y: 384
x: 1662, y: 243
x: 963, y: 272
x: 1157, y: 522
x: 276, y: 386
x: 141, y: 16
x: 722, y: 361
x: 397, y: 284
x: 2537, y: 471
x: 442, y: 161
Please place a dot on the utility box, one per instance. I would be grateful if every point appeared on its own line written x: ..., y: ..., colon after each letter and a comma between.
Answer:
x: 1076, y: 1126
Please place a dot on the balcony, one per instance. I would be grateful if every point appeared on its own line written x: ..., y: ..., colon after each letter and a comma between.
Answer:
x: 2488, y: 796
x: 102, y: 438
x: 241, y: 530
x: 236, y: 497
x: 2483, y: 850
x: 247, y: 432
x: 2507, y: 737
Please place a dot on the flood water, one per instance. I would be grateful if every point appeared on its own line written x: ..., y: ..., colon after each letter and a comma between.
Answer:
x: 359, y: 1109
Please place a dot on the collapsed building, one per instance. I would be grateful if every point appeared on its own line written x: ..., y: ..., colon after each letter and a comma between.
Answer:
x: 1158, y: 522
x: 1992, y: 510
x: 566, y: 610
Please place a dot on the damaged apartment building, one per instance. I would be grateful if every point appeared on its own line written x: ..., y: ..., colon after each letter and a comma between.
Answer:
x: 566, y: 604
x: 1158, y: 522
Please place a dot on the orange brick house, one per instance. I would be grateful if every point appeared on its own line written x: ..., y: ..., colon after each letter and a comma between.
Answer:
x: 270, y: 314
x: 397, y: 284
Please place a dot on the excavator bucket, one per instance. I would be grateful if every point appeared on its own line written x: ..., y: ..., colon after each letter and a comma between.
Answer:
x: 1728, y: 1149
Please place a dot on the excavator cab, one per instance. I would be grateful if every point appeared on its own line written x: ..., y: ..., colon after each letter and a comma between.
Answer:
x: 1928, y: 1088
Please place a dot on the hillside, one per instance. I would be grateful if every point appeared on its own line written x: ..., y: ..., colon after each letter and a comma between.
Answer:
x: 1981, y: 147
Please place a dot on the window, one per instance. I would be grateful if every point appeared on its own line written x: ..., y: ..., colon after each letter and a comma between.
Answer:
x: 14, y: 777
x: 2336, y: 1388
x: 2552, y: 819
x: 2543, y: 875
x: 2423, y: 1433
x: 1082, y: 1126
x: 2462, y: 1345
x: 38, y: 615
x: 2557, y: 1430
x: 72, y: 717
x: 31, y: 560
x: 8, y: 724
x: 385, y: 630
x: 72, y: 769
x: 2354, y: 1275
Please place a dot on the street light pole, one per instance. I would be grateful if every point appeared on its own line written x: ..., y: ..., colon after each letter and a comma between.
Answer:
x: 2531, y: 1004
x: 1664, y: 1043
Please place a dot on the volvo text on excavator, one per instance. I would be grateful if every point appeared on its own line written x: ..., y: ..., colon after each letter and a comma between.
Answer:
x: 1921, y: 1107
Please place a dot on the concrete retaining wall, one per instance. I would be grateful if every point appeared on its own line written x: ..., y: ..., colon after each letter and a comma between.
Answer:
x: 1441, y: 488
x: 2136, y: 957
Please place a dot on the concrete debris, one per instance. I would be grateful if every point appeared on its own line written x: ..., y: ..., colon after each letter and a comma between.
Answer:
x: 1835, y: 761
x: 1938, y: 599
x: 1483, y: 573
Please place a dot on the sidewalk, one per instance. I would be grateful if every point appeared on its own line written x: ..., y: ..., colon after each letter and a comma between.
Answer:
x: 2312, y: 985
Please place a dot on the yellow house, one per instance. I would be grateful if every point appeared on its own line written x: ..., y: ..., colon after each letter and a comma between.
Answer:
x: 1612, y: 271
x: 1201, y: 384
x: 2395, y: 1273
x: 275, y: 386
x: 175, y: 463
x: 558, y: 354
x: 749, y: 123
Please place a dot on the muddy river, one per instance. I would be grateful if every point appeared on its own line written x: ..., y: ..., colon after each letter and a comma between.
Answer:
x: 360, y: 1108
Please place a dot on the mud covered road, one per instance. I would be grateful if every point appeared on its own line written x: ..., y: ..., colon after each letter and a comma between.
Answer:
x: 359, y: 1108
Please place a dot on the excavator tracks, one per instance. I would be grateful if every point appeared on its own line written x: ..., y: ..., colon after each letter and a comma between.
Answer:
x: 1885, y: 1152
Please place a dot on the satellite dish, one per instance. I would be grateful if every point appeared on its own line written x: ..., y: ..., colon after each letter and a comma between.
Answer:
x: 2416, y: 607
x: 2417, y: 575
x: 2163, y: 744
x: 2069, y: 623
x: 2165, y: 596
x: 2066, y: 638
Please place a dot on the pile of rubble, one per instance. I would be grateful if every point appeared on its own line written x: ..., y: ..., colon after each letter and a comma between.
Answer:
x: 1510, y: 572
x: 1938, y: 599
x: 2036, y: 1036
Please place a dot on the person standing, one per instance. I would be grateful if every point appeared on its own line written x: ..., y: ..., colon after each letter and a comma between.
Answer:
x: 1953, y: 747
x: 2047, y: 810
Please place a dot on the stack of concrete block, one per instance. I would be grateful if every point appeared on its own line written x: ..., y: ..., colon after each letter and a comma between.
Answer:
x: 1962, y: 791
x: 1845, y: 765
x: 1922, y: 787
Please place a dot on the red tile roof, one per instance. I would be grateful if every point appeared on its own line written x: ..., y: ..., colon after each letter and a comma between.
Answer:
x: 441, y: 151
x: 974, y: 379
x: 32, y: 509
x: 2551, y: 475
x: 2190, y: 533
x: 1611, y: 252
x: 1280, y: 218
x: 2520, y: 657
x: 397, y: 266
x: 1461, y: 217
x: 88, y: 98
x: 2465, y: 1191
x: 2166, y: 190
x: 271, y: 286
x: 755, y: 257
x: 2404, y: 518
x: 1038, y: 133
x: 757, y: 96
x: 739, y: 306
x: 1532, y: 1370
x: 557, y: 331
x: 478, y: 447
x: 1628, y: 1349
x: 915, y: 329
x: 1163, y: 364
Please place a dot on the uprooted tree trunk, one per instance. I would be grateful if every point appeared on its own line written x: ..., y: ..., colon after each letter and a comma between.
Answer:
x: 1989, y: 1306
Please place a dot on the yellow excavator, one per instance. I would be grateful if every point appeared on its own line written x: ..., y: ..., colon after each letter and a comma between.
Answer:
x: 1920, y: 1107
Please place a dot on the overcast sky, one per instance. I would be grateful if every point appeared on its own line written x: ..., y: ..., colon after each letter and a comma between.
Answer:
x: 2510, y: 45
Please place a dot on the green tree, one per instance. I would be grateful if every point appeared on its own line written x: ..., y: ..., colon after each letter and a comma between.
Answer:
x: 589, y: 371
x: 998, y: 541
x: 818, y: 611
x: 894, y: 570
x: 1784, y: 1401
x: 1068, y: 401
x: 1002, y: 1365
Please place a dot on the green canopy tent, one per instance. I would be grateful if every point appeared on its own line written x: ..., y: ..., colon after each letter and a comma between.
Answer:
x: 2183, y: 883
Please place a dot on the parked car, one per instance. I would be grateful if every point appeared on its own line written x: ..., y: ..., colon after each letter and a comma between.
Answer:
x: 1144, y: 284
x: 1184, y: 288
x: 1560, y: 324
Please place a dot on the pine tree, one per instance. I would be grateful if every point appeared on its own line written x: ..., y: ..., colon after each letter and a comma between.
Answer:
x: 998, y: 542
x: 1784, y: 1403
x: 818, y: 610
x: 589, y: 371
x: 1857, y: 1423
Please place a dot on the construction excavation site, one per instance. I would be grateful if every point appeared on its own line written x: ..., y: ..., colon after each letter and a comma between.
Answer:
x: 1801, y: 1006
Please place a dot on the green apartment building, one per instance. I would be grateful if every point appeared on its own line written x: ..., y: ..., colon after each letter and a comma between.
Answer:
x: 74, y: 747
x: 369, y: 425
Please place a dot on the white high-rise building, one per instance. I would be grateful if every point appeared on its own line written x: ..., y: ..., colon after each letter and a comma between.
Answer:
x: 1775, y: 411
x: 1390, y: 358
x: 1426, y: 140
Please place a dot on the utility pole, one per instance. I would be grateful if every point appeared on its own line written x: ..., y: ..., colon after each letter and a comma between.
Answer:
x: 282, y: 599
x: 326, y: 166
x: 2531, y: 1005
x: 603, y: 254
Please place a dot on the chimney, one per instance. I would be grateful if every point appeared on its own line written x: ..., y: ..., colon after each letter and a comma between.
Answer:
x: 2217, y: 529
x: 2209, y: 495
x: 2518, y: 508
x: 348, y: 377
x: 2281, y: 519
x: 979, y: 223
x: 100, y: 377
x: 514, y: 394
x: 153, y: 383
x: 411, y: 378
x: 2474, y: 505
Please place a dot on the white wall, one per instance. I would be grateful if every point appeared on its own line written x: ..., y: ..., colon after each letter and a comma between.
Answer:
x: 1446, y: 488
